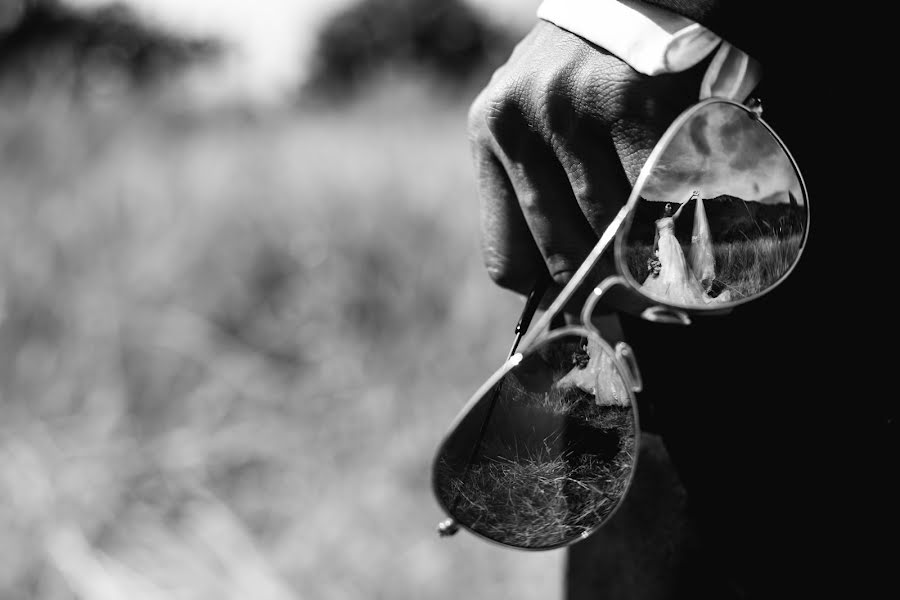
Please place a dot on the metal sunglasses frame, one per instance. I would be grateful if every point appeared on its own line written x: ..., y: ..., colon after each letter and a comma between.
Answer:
x: 653, y: 310
x: 623, y: 361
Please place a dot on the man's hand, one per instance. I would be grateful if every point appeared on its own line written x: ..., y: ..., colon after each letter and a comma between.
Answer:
x: 558, y: 137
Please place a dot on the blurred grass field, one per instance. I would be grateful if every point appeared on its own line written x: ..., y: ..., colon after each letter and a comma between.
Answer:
x: 230, y: 344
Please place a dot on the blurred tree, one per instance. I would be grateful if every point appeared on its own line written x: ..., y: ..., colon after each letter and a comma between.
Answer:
x: 444, y: 38
x: 45, y: 42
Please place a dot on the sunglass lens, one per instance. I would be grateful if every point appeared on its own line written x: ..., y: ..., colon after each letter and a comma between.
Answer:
x: 546, y: 453
x: 721, y: 213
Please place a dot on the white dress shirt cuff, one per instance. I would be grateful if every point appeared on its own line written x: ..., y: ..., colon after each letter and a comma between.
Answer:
x: 653, y: 41
x: 650, y: 39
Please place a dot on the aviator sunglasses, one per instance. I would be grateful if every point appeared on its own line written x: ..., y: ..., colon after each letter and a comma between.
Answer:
x: 543, y: 453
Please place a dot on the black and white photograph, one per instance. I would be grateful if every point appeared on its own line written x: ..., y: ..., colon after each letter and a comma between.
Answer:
x: 444, y: 299
x: 743, y: 227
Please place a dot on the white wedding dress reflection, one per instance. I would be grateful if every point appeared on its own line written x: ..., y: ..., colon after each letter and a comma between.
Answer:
x: 700, y: 257
x: 599, y: 377
x: 677, y: 281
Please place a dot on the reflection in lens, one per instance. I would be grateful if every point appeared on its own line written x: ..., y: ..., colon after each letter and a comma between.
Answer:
x: 547, y: 453
x: 721, y: 215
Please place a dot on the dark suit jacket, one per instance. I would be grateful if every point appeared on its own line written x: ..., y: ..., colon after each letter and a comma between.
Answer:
x: 778, y: 418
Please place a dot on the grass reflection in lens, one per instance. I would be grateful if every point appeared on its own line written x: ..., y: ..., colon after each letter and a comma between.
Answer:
x: 556, y: 449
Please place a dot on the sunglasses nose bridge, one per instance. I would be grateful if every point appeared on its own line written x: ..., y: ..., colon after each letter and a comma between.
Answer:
x: 604, y: 286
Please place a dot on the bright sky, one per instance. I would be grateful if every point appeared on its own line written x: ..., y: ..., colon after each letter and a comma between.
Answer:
x: 271, y: 38
x: 721, y: 151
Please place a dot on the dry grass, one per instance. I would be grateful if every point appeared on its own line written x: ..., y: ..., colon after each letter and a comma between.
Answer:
x: 229, y: 346
x: 550, y: 464
x: 745, y: 267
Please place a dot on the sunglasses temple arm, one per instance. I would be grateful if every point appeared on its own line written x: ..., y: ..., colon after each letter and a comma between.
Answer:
x: 531, y: 306
x: 449, y: 526
x: 580, y: 275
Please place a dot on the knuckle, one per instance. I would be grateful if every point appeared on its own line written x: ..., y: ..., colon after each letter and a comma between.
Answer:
x: 606, y: 104
x: 536, y: 106
x: 559, y: 96
x: 584, y: 192
x: 621, y: 93
x: 475, y: 120
x: 602, y: 81
x: 505, y: 111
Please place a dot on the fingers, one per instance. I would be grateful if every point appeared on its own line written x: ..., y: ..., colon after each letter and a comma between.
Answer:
x: 595, y: 175
x: 541, y: 185
x: 559, y: 136
x: 510, y: 255
x: 599, y: 185
x: 549, y: 180
x: 532, y: 221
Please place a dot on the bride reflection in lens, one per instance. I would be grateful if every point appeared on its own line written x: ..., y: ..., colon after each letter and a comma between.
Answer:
x: 671, y: 278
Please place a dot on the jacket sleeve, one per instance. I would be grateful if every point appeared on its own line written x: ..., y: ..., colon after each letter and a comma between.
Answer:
x: 775, y: 33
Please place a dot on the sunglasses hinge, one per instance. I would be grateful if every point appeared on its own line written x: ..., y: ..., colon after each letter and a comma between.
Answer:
x: 755, y: 105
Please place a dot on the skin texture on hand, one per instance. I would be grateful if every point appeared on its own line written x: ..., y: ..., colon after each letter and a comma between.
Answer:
x: 558, y: 137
